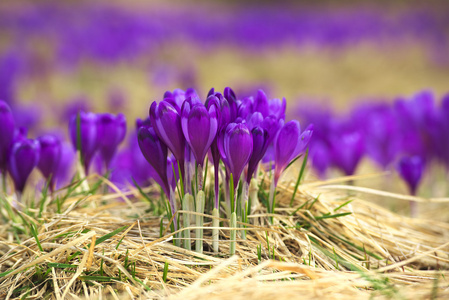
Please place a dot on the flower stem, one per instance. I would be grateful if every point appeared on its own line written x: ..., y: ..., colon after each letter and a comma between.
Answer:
x: 200, y: 203
x: 188, y: 199
x: 215, y: 230
x: 271, y: 200
x: 173, y: 209
x: 199, y: 177
x: 253, y: 190
x: 233, y: 233
x: 244, y: 206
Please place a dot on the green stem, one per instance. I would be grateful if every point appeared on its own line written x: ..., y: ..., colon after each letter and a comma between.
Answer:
x: 233, y: 233
x: 272, y: 200
x: 188, y: 199
x: 200, y: 202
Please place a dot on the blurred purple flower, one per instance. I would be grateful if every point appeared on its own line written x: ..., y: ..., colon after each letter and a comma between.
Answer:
x: 111, y: 132
x: 348, y: 148
x: 50, y: 157
x: 411, y: 168
x: 74, y: 106
x: 23, y: 158
x: 64, y: 170
x: 320, y: 157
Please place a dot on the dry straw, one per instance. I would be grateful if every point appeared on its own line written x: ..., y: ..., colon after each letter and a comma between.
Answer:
x: 331, y: 244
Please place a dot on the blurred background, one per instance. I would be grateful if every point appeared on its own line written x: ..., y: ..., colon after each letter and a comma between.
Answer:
x: 57, y: 57
x: 108, y: 54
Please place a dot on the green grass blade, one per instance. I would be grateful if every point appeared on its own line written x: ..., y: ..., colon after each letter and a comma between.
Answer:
x: 301, y: 173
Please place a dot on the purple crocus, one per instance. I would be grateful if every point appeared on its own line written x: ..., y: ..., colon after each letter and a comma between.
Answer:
x: 65, y: 167
x: 88, y: 142
x: 50, y: 157
x: 155, y: 152
x: 235, y: 145
x: 347, y: 151
x: 199, y: 125
x: 224, y: 117
x: 23, y: 158
x: 260, y: 145
x: 166, y: 122
x: 111, y: 132
x: 411, y: 168
x: 6, y: 134
x: 289, y: 144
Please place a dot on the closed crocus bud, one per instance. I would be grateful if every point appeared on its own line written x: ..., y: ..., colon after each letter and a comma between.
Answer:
x: 274, y: 107
x: 199, y: 126
x: 155, y: 152
x: 23, y: 158
x: 6, y: 134
x: 347, y: 151
x: 260, y: 145
x: 88, y: 142
x: 111, y: 132
x: 65, y: 167
x: 50, y: 157
x: 320, y: 157
x: 411, y: 168
x: 236, y: 145
x: 289, y: 144
x: 230, y: 96
x: 167, y: 124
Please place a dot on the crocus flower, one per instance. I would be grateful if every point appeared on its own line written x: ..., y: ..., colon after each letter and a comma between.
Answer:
x: 23, y: 158
x: 347, y: 151
x: 65, y: 167
x: 224, y: 117
x: 411, y: 168
x: 320, y: 157
x: 289, y: 144
x: 274, y: 107
x: 111, y: 132
x: 199, y: 125
x: 50, y: 157
x: 155, y: 152
x: 235, y: 145
x: 6, y: 134
x: 260, y: 145
x: 88, y: 143
x: 166, y: 122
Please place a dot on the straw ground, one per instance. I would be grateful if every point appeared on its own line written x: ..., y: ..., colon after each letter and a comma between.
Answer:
x: 331, y: 243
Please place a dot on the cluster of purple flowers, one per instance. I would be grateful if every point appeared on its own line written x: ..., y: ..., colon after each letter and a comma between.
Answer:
x: 90, y: 133
x: 408, y: 134
x: 238, y: 132
x: 19, y: 155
